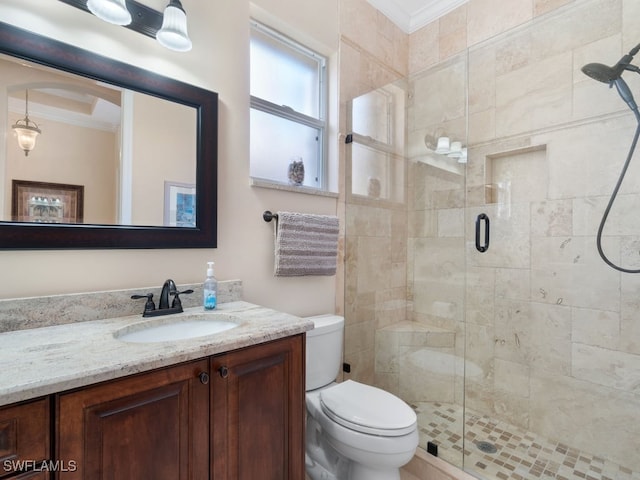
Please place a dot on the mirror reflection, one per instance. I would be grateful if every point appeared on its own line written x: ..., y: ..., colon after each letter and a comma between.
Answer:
x: 104, y: 155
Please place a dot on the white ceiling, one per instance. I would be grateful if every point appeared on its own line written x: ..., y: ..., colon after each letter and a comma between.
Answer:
x: 411, y: 15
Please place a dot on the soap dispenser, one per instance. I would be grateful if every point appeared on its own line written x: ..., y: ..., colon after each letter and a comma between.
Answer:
x: 210, y: 288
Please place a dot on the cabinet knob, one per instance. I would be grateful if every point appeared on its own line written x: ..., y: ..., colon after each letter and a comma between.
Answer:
x: 224, y: 372
x: 204, y: 377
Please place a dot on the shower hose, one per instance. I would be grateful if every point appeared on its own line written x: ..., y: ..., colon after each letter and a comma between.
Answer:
x: 613, y: 198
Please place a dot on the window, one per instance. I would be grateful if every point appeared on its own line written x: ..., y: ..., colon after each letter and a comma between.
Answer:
x: 288, y: 110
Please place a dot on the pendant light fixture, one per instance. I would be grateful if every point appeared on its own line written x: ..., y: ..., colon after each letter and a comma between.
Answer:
x: 173, y: 33
x: 25, y: 130
x: 112, y: 11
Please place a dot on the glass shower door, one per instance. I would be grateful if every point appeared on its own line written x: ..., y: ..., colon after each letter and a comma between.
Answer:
x: 432, y: 348
x: 552, y: 343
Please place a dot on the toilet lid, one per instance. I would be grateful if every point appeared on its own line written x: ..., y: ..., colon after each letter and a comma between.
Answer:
x: 367, y: 409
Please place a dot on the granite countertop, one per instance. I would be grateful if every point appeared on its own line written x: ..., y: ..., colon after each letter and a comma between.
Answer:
x: 42, y: 361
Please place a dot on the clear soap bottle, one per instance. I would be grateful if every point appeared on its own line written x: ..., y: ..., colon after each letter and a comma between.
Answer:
x: 210, y: 288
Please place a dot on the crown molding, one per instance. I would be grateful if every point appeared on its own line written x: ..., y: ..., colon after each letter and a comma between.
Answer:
x: 411, y: 21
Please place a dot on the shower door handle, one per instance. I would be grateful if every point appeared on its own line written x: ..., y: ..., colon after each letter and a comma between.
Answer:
x: 482, y: 218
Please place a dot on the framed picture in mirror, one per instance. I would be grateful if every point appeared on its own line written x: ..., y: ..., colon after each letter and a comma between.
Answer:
x: 43, y: 202
x: 179, y: 204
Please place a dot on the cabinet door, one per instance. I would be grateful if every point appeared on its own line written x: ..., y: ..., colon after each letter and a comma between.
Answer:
x: 24, y: 436
x: 258, y: 412
x: 153, y: 425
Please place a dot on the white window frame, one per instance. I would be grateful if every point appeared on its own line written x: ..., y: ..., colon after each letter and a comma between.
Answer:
x: 288, y: 113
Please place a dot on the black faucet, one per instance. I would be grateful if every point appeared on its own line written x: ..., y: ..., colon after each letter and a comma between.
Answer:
x: 168, y: 289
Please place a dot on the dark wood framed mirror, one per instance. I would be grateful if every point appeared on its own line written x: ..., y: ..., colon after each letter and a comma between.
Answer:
x: 21, y: 44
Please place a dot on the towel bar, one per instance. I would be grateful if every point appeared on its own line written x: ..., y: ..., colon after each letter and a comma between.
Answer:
x: 267, y: 216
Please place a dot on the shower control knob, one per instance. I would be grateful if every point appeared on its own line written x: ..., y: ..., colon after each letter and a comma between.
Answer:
x: 204, y: 378
x: 224, y: 372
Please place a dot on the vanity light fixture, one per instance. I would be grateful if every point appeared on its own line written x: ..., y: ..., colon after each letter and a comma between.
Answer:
x: 173, y: 33
x: 443, y: 145
x: 25, y: 130
x: 169, y: 28
x: 112, y: 11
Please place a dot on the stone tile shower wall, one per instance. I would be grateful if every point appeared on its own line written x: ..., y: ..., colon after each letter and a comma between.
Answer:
x: 373, y: 53
x: 553, y: 329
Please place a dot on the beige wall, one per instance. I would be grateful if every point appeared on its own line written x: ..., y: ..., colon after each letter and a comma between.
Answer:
x: 164, y: 147
x: 219, y: 62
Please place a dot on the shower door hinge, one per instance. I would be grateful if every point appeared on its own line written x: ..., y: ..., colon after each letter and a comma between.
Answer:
x: 432, y: 448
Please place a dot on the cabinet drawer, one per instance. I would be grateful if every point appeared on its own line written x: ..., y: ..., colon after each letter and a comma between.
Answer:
x: 24, y: 435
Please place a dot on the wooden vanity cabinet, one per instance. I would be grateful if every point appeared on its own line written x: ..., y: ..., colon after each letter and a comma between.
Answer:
x: 234, y: 416
x: 258, y: 409
x: 154, y: 425
x: 24, y: 439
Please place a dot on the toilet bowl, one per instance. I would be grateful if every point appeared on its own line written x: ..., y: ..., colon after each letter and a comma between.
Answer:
x: 354, y: 431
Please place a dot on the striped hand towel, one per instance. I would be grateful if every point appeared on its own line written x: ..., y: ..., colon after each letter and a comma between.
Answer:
x: 306, y: 244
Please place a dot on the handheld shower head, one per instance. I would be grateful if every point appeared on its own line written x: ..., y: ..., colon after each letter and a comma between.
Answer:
x: 605, y: 74
x: 613, y: 76
x: 602, y: 73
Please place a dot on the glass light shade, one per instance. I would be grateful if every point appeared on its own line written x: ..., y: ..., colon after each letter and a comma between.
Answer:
x: 26, y: 132
x: 443, y: 146
x: 173, y: 33
x: 456, y: 150
x: 112, y: 11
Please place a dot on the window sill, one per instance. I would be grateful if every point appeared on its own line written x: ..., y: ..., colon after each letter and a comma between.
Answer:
x: 264, y: 183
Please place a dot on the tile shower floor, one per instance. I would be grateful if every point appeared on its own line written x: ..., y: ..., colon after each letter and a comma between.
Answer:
x: 510, y: 453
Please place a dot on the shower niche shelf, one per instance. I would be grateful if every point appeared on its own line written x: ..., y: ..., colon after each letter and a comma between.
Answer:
x: 516, y: 176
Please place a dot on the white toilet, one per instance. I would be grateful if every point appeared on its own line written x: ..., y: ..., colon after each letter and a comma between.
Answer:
x: 354, y: 431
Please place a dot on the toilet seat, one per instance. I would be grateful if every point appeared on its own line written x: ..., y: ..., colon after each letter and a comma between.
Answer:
x: 367, y: 409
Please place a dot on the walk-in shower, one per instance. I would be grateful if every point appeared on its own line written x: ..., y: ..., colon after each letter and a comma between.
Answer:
x: 521, y: 361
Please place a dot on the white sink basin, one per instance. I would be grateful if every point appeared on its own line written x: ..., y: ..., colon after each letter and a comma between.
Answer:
x: 172, y: 328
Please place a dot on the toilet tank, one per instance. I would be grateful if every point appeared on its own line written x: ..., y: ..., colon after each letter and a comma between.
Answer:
x: 324, y: 350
